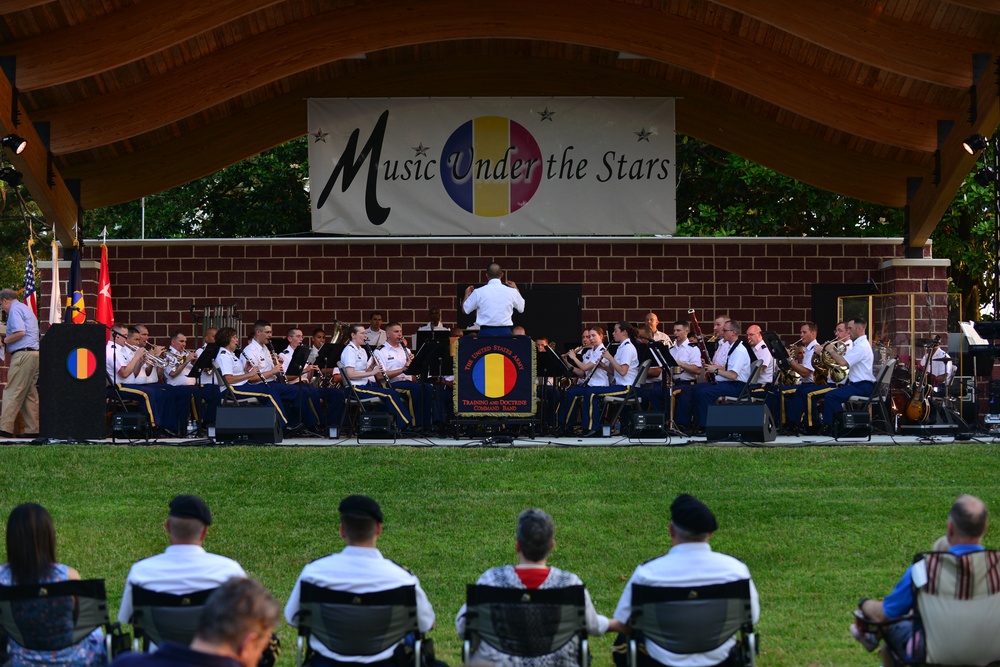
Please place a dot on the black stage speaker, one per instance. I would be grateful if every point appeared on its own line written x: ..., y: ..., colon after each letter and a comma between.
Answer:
x: 852, y: 424
x: 376, y: 426
x: 130, y: 425
x: 72, y: 377
x: 647, y: 425
x: 257, y: 424
x: 741, y: 422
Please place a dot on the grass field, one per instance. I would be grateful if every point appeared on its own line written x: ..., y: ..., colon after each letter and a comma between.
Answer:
x: 818, y: 527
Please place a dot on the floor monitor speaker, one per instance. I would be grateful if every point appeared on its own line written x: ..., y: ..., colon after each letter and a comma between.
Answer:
x: 254, y: 424
x: 741, y: 422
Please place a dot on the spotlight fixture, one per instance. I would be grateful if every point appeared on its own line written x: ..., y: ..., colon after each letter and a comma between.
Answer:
x: 11, y: 176
x: 14, y: 143
x: 975, y: 143
x: 985, y: 176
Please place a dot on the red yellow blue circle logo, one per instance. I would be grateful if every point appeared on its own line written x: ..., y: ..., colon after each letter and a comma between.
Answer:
x: 491, y: 166
x: 81, y: 363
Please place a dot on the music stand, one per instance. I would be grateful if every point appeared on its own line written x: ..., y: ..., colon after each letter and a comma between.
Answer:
x: 428, y: 352
x: 329, y: 354
x: 549, y: 364
x: 298, y: 361
x: 437, y: 336
x: 665, y: 359
x: 204, y: 362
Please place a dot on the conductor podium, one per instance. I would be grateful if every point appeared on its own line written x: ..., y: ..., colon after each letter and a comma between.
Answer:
x: 71, y: 382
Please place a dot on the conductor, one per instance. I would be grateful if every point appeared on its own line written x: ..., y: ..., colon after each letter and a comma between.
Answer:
x: 494, y: 303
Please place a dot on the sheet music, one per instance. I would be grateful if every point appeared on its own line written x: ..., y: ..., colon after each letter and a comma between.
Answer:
x: 971, y: 334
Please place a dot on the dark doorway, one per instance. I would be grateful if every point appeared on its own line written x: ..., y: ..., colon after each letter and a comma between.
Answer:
x: 552, y: 311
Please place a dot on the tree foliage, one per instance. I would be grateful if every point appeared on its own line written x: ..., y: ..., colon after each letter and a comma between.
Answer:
x: 265, y: 195
x: 718, y: 194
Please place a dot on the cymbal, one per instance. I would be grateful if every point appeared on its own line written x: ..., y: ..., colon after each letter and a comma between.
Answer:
x: 924, y: 342
x: 941, y: 359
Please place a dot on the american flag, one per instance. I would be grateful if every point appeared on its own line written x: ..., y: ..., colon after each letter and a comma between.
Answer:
x: 29, y: 284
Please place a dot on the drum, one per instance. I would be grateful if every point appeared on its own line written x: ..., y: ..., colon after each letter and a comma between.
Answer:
x: 898, y: 399
x: 901, y: 378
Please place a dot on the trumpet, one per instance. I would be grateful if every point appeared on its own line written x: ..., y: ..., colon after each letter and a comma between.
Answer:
x: 150, y: 358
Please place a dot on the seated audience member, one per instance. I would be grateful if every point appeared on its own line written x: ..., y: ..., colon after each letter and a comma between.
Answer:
x: 185, y: 566
x: 534, y: 542
x: 359, y: 568
x: 967, y: 523
x: 31, y: 559
x: 690, y: 561
x: 234, y: 629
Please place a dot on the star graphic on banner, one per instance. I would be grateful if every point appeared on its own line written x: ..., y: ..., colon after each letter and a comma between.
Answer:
x: 643, y: 135
x: 320, y: 135
x: 106, y: 291
x: 546, y: 114
x: 420, y: 150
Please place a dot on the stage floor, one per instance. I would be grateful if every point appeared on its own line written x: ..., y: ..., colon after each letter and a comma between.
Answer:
x: 495, y: 440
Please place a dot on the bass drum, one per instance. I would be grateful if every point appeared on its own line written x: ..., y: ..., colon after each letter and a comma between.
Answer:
x: 898, y: 400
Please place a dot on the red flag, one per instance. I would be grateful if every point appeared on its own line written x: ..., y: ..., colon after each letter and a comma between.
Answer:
x: 105, y: 315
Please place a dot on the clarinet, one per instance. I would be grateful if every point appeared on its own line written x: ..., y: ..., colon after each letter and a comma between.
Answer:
x: 384, y: 381
x: 243, y: 353
x: 277, y: 364
x: 597, y: 365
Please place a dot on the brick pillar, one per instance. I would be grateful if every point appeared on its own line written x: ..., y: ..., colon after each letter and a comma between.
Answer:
x: 927, y: 281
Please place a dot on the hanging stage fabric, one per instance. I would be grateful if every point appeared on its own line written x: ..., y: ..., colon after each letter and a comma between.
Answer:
x: 492, y: 166
x: 495, y: 377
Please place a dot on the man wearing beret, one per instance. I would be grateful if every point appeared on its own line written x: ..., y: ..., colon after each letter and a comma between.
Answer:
x: 359, y: 568
x: 690, y: 562
x: 185, y: 566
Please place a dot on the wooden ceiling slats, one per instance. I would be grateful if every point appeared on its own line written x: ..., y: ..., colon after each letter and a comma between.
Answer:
x: 853, y: 88
x: 97, y: 46
x: 221, y: 75
x: 211, y: 142
x: 910, y: 50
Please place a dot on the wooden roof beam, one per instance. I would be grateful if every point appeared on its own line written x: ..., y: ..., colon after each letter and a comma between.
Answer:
x: 712, y: 53
x: 870, y: 37
x: 41, y: 178
x: 92, y: 47
x: 931, y: 200
x: 201, y: 152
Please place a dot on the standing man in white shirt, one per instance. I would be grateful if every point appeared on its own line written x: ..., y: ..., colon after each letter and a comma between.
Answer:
x: 185, y: 566
x: 494, y: 303
x: 690, y: 562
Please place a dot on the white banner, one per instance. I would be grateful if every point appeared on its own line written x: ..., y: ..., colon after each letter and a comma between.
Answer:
x: 492, y: 166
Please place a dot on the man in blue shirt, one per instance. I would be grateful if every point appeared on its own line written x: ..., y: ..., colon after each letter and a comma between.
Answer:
x: 967, y: 522
x: 21, y: 393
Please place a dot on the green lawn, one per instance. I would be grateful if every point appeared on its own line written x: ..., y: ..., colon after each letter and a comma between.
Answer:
x: 818, y: 527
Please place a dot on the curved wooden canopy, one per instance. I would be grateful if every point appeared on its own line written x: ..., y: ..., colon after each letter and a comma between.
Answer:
x: 870, y: 99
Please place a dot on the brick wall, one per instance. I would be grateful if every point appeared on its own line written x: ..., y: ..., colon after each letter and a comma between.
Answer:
x: 311, y: 282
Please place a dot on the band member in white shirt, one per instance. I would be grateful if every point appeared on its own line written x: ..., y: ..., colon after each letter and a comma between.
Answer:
x: 365, y: 373
x: 395, y: 359
x: 238, y: 373
x: 589, y: 368
x: 259, y: 352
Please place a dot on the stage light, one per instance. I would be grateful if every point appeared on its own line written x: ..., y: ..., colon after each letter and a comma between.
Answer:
x: 14, y: 143
x: 985, y: 176
x: 11, y: 176
x: 975, y: 143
